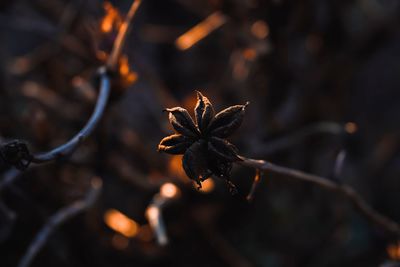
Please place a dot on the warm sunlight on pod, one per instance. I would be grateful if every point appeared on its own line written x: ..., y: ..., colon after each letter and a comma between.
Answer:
x: 120, y: 223
x: 260, y: 29
x: 200, y: 31
x: 169, y: 190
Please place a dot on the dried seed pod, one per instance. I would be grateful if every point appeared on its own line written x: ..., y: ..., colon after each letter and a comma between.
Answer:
x: 204, y: 112
x: 205, y: 151
x: 194, y: 162
x: 16, y: 154
x: 227, y: 121
x: 223, y: 149
x: 174, y: 144
x: 182, y: 122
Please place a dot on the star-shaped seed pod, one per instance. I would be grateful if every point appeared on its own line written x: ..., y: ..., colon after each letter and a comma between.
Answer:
x: 205, y: 150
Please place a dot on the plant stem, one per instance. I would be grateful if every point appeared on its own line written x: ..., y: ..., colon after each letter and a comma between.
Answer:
x: 58, y: 218
x: 70, y: 146
x: 359, y: 203
x: 121, y: 37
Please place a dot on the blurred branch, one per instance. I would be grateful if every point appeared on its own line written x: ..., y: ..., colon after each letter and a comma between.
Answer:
x: 121, y: 37
x: 168, y: 192
x: 73, y: 143
x: 339, y: 163
x: 105, y: 86
x: 359, y: 203
x: 256, y: 182
x: 156, y: 221
x: 57, y: 219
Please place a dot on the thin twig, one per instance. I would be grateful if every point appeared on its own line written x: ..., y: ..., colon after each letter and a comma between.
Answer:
x: 256, y: 182
x: 168, y: 193
x: 360, y: 204
x: 57, y: 219
x: 105, y: 87
x: 339, y: 163
x: 102, y: 100
x: 69, y: 147
x: 121, y: 37
x: 155, y: 218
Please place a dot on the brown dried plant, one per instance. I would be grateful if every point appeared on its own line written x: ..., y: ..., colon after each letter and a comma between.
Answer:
x: 205, y: 150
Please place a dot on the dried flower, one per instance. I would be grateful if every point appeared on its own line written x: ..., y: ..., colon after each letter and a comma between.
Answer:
x: 203, y: 144
x: 15, y: 154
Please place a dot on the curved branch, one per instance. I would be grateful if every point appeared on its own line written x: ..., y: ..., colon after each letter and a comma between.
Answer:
x: 58, y: 218
x: 359, y: 203
x: 72, y: 144
x: 102, y: 100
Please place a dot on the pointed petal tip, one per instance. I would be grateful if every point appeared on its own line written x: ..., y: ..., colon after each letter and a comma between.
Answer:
x: 200, y: 96
x: 167, y: 109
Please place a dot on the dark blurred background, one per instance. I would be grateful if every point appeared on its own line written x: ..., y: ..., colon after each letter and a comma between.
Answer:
x: 323, y: 81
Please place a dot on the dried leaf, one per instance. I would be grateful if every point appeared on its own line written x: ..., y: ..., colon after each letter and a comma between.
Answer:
x: 182, y: 122
x: 174, y: 144
x: 223, y: 149
x: 194, y: 162
x: 227, y: 121
x: 204, y: 112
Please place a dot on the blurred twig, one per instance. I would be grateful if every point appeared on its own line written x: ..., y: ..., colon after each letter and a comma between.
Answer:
x: 57, y: 219
x: 73, y: 143
x: 156, y: 221
x: 256, y: 182
x: 360, y: 204
x: 168, y: 192
x: 102, y: 100
x: 339, y: 163
x: 121, y: 37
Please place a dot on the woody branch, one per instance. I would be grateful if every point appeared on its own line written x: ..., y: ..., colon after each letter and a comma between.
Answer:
x: 355, y: 198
